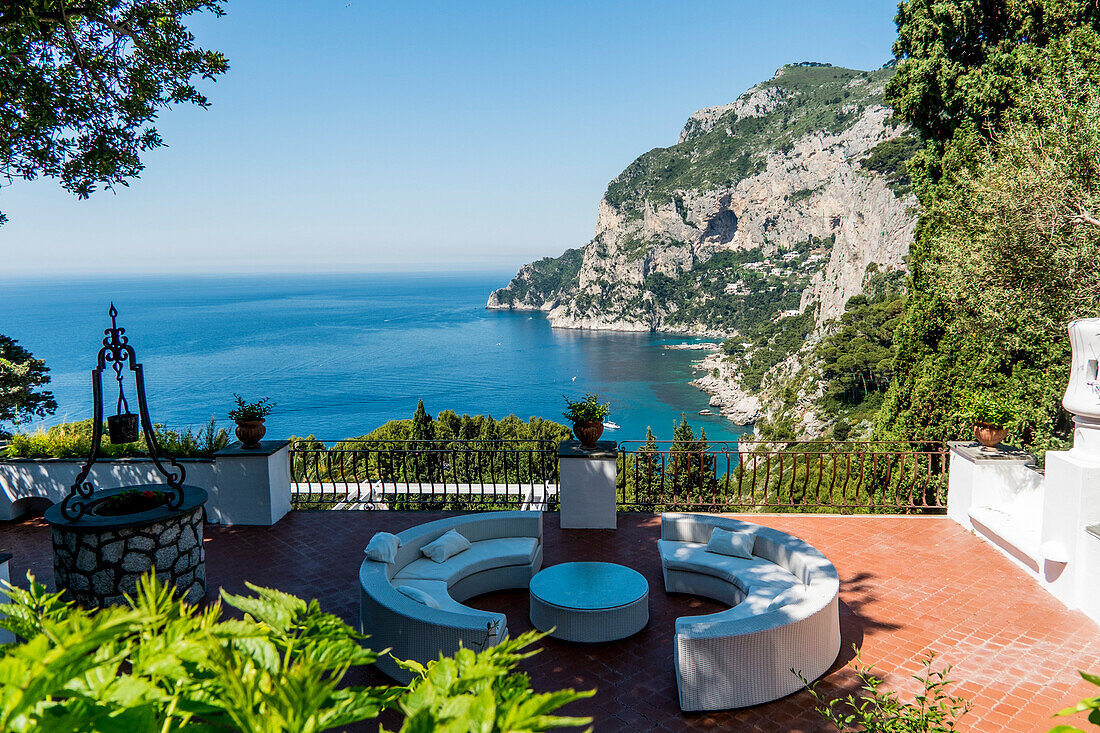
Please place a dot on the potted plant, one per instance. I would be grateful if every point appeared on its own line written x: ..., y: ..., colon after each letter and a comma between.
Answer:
x: 249, y: 417
x: 587, y: 416
x: 989, y: 415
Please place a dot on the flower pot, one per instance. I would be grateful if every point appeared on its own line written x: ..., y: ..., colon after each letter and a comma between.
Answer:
x: 250, y: 432
x: 588, y: 432
x: 989, y: 435
x: 123, y: 428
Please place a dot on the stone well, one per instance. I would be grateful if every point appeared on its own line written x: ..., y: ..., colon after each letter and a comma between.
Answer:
x: 99, y: 558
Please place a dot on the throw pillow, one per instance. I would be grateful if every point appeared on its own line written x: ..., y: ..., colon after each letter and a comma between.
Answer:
x: 383, y: 547
x: 445, y: 547
x: 418, y: 595
x: 734, y: 544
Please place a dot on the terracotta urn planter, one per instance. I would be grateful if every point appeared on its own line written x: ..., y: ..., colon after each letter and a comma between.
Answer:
x: 588, y: 432
x: 250, y: 432
x: 989, y: 435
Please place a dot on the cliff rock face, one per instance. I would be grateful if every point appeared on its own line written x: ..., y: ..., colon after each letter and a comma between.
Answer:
x: 768, y: 208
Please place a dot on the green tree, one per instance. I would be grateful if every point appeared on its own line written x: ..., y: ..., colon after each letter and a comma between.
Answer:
x: 21, y: 377
x: 1005, y: 98
x: 857, y: 357
x: 83, y: 81
x: 423, y: 428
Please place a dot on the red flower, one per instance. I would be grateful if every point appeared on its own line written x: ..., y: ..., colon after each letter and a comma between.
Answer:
x: 148, y: 494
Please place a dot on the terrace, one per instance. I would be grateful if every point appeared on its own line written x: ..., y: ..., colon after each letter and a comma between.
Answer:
x: 908, y: 584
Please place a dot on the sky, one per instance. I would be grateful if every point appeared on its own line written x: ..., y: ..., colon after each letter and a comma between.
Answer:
x: 354, y: 136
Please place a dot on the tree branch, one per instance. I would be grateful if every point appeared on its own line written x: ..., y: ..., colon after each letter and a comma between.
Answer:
x: 1084, y: 217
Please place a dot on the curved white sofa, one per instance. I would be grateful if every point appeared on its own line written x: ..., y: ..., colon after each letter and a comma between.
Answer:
x: 784, y: 613
x: 505, y: 551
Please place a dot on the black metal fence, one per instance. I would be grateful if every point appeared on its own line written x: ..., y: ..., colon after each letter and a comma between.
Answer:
x: 800, y: 476
x: 436, y: 474
x: 749, y: 476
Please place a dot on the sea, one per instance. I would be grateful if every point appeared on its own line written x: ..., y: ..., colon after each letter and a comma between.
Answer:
x: 342, y: 354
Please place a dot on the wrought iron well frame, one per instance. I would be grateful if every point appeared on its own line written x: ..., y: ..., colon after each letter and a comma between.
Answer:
x: 117, y: 352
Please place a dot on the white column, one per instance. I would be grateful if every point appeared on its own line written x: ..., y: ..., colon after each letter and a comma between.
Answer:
x: 251, y: 486
x: 6, y: 637
x: 587, y: 485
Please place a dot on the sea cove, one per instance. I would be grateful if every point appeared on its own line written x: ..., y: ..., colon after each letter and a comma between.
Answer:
x: 342, y: 354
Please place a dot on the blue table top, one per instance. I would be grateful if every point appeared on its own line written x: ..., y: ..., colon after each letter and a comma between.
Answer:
x: 589, y: 585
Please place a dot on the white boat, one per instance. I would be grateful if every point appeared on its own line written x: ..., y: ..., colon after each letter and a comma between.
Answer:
x: 611, y: 425
x: 705, y: 412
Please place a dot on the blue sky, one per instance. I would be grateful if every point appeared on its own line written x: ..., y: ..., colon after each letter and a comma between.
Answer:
x: 366, y: 136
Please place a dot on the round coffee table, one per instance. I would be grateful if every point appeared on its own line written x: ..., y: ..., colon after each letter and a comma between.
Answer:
x: 589, y: 601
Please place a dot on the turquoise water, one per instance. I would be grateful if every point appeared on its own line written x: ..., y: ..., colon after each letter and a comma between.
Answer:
x: 343, y: 354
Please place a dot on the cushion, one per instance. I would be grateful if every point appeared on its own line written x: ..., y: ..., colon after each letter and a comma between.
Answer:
x: 438, y: 592
x: 746, y: 574
x: 445, y: 547
x: 734, y: 544
x: 418, y: 595
x: 794, y: 594
x: 484, y: 555
x: 383, y: 547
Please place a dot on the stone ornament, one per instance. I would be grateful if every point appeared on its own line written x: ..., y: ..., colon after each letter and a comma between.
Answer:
x: 1082, y: 396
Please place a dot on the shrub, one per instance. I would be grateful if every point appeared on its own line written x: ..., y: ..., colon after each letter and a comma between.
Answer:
x: 1089, y: 705
x: 74, y: 440
x: 160, y: 665
x: 933, y: 711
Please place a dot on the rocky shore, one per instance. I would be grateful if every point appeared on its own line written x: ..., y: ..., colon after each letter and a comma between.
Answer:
x: 733, y: 402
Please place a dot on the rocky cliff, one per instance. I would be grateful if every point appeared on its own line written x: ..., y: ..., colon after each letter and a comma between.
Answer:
x: 769, y: 211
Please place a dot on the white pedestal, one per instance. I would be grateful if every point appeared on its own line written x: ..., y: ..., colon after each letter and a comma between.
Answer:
x: 1072, y: 505
x: 6, y: 637
x: 252, y: 485
x: 587, y: 485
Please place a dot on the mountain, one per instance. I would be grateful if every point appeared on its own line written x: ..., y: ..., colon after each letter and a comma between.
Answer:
x: 758, y: 225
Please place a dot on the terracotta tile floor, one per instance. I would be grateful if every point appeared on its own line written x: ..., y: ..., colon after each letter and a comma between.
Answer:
x: 907, y: 584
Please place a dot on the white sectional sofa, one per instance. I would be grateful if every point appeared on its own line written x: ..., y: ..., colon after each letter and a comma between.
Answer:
x: 784, y: 613
x: 505, y: 551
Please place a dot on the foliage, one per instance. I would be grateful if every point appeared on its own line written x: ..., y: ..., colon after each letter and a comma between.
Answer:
x: 21, y: 376
x: 1003, y: 259
x: 772, y: 343
x: 891, y: 159
x: 988, y: 408
x: 810, y: 98
x: 1089, y: 705
x: 590, y: 409
x: 878, y: 711
x: 257, y: 410
x: 479, y: 693
x: 161, y: 665
x: 131, y: 501
x: 74, y: 440
x: 544, y: 278
x: 857, y: 357
x: 83, y: 81
x: 465, y: 450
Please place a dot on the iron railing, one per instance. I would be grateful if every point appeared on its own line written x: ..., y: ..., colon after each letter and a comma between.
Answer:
x: 424, y: 474
x: 796, y: 476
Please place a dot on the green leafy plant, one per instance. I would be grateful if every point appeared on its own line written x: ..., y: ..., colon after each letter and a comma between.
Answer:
x: 257, y: 410
x: 988, y: 408
x: 161, y: 665
x: 1090, y: 705
x: 131, y: 501
x: 74, y: 440
x: 590, y: 409
x: 875, y: 710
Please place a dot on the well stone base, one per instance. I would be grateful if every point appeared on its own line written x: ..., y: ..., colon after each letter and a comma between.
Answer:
x: 98, y: 559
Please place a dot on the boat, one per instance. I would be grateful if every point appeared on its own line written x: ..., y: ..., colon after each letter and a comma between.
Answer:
x: 705, y: 412
x: 611, y: 425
